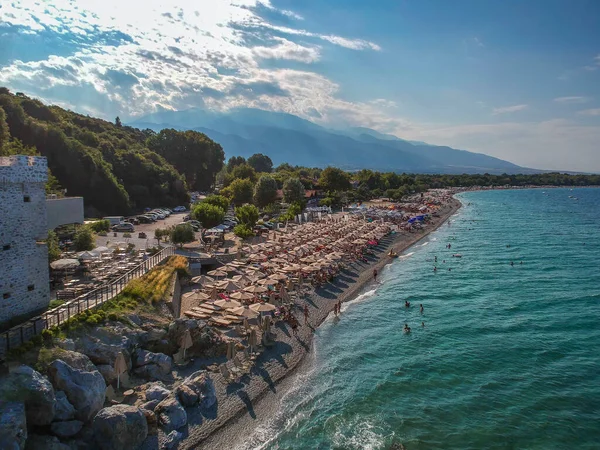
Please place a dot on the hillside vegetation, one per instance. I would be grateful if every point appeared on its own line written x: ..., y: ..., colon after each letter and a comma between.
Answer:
x: 117, y: 169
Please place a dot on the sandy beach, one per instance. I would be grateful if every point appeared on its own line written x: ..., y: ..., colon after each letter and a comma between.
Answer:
x: 242, y: 406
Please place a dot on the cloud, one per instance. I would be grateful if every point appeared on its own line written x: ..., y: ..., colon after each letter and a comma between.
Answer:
x: 478, y: 42
x: 590, y: 112
x: 509, y: 109
x: 572, y: 99
x: 288, y: 50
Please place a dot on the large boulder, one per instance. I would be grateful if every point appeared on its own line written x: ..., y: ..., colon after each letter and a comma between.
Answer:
x: 66, y: 429
x: 171, y: 414
x: 64, y: 410
x: 108, y: 373
x: 177, y: 330
x: 120, y: 427
x: 156, y: 391
x: 201, y: 383
x: 101, y: 353
x: 28, y: 386
x: 13, y: 425
x: 152, y: 365
x: 85, y: 390
x: 151, y: 420
x: 44, y: 442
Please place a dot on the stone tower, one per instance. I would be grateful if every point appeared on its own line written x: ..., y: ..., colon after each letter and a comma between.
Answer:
x: 24, y: 286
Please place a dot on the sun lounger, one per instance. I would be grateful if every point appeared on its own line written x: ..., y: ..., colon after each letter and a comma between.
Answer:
x: 221, y: 322
x: 243, y: 367
x: 232, y: 318
x: 229, y: 377
x: 196, y: 315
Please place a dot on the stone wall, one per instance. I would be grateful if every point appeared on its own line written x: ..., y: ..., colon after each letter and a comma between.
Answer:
x: 24, y: 287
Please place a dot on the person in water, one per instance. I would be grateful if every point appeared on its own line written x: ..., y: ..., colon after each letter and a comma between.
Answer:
x: 423, y: 324
x: 406, y: 328
x: 407, y: 304
x: 434, y: 268
x: 512, y: 263
x: 375, y: 274
x: 421, y: 308
x: 435, y: 259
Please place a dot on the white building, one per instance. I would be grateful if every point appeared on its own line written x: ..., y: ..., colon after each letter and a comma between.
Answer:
x: 24, y: 287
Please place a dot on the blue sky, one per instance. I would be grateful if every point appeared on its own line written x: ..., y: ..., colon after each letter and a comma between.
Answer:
x: 516, y: 79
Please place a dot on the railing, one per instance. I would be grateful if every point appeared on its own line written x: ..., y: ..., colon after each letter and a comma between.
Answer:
x: 20, y: 334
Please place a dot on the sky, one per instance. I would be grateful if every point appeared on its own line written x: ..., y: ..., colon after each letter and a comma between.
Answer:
x: 515, y: 79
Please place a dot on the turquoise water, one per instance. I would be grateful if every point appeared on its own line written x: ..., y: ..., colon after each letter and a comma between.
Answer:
x: 509, y: 357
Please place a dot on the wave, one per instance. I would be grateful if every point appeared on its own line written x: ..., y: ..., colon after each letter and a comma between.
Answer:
x: 424, y: 244
x: 361, y: 298
x: 408, y: 255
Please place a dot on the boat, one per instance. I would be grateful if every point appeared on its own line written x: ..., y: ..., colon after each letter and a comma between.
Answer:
x: 457, y: 255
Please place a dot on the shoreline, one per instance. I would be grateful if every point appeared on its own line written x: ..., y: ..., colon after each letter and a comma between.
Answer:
x: 241, y: 407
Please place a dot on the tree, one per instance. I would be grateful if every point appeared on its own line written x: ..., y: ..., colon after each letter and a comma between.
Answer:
x: 208, y: 215
x: 84, y: 239
x: 217, y: 200
x: 293, y: 190
x: 182, y: 234
x: 53, y: 248
x: 243, y: 171
x: 100, y: 225
x: 235, y: 161
x: 247, y: 215
x: 260, y: 163
x: 334, y: 179
x: 4, y: 132
x: 159, y: 233
x: 241, y: 191
x: 118, y: 122
x: 243, y: 231
x: 265, y: 191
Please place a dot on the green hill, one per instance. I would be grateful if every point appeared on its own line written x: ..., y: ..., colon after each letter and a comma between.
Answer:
x: 117, y: 169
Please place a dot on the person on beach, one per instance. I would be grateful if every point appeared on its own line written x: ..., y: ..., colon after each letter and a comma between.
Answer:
x: 421, y: 308
x: 339, y: 306
x: 305, y: 314
x: 375, y: 274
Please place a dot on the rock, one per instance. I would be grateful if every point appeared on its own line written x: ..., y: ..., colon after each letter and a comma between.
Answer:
x: 120, y: 427
x: 64, y: 410
x: 172, y: 439
x: 177, y: 329
x: 152, y: 365
x: 157, y: 391
x: 151, y: 420
x: 76, y: 360
x: 186, y: 395
x: 153, y: 335
x: 65, y: 344
x: 134, y: 318
x: 171, y: 414
x: 101, y: 353
x: 28, y: 386
x: 85, y: 390
x: 13, y: 425
x: 151, y: 405
x: 108, y: 373
x: 38, y: 442
x: 201, y: 383
x: 66, y: 429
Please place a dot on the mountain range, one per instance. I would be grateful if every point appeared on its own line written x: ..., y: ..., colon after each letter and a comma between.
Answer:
x: 288, y: 138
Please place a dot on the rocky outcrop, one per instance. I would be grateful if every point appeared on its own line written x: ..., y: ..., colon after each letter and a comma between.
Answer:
x: 120, y: 427
x: 171, y: 414
x: 151, y: 420
x: 13, y: 425
x: 200, y: 383
x: 66, y: 429
x: 85, y: 390
x: 151, y: 405
x: 37, y: 442
x: 64, y: 410
x: 28, y: 386
x: 150, y: 365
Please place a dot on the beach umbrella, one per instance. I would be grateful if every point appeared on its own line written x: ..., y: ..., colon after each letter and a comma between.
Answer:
x: 267, y: 324
x: 244, y: 311
x: 242, y: 279
x: 283, y: 294
x: 255, y: 289
x: 62, y: 264
x: 213, y: 293
x: 278, y: 277
x: 228, y: 286
x: 186, y: 341
x: 120, y: 367
x: 227, y: 304
x: 263, y: 307
x: 230, y: 350
x: 241, y: 295
x: 203, y: 279
x: 217, y: 273
x: 101, y: 250
x: 266, y: 282
x: 87, y: 256
x: 195, y: 295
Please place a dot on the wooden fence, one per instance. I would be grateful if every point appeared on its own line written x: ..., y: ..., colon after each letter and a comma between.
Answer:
x: 20, y: 334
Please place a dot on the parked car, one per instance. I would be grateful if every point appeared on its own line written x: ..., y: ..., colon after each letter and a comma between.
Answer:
x: 124, y: 226
x: 145, y: 219
x: 179, y: 209
x: 133, y: 220
x: 187, y: 217
x: 160, y: 215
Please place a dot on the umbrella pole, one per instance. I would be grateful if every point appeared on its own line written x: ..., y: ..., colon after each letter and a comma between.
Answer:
x: 118, y: 381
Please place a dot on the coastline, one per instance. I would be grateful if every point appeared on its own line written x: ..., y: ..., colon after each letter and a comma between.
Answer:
x: 241, y: 407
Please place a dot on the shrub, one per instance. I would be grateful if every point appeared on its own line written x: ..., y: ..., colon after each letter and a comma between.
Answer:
x: 99, y: 226
x: 55, y: 304
x: 208, y: 215
x: 243, y: 231
x: 126, y: 235
x: 113, y: 316
x: 247, y: 215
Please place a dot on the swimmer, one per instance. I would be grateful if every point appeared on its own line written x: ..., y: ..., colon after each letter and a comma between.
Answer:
x: 421, y: 308
x: 423, y: 324
x: 434, y: 268
x: 512, y: 263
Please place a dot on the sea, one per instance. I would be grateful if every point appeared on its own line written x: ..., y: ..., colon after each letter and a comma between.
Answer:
x: 504, y: 356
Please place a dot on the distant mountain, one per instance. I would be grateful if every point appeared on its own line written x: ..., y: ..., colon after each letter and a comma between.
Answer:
x: 288, y: 138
